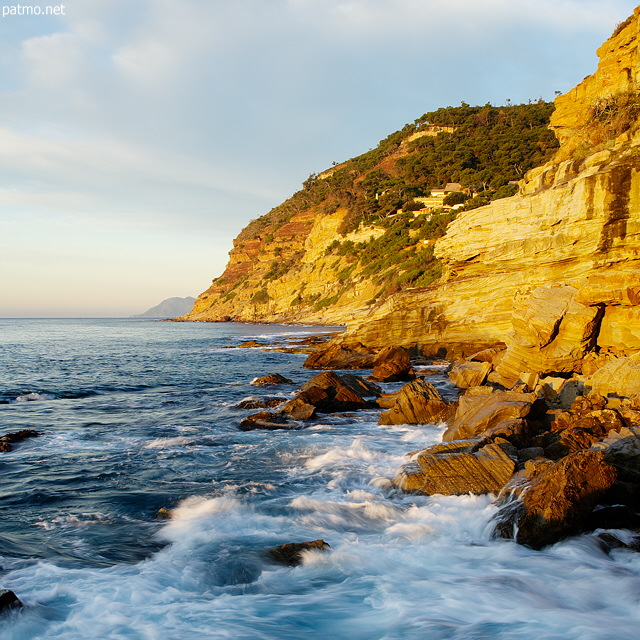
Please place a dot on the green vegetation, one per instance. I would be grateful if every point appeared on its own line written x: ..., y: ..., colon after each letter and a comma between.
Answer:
x: 488, y: 147
x: 483, y: 148
x: 613, y: 115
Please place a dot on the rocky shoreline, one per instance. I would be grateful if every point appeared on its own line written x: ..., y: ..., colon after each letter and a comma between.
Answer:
x: 560, y: 450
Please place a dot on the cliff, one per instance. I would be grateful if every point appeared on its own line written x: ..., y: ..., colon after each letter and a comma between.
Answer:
x: 575, y: 221
x: 365, y: 229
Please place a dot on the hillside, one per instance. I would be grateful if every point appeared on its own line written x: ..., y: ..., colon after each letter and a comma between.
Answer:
x: 169, y: 308
x: 338, y: 247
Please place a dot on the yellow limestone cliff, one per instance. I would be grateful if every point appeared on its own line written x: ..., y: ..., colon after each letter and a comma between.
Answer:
x: 575, y: 223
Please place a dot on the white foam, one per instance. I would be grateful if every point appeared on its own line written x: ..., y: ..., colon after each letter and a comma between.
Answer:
x: 33, y: 397
x: 168, y: 443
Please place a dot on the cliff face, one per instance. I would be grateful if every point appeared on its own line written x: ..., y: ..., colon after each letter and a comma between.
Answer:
x: 575, y: 221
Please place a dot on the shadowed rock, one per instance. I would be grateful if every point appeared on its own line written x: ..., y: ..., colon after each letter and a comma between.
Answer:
x: 326, y: 393
x: 392, y: 364
x: 9, y: 439
x: 293, y: 553
x: 554, y: 500
x: 8, y: 600
x: 418, y: 402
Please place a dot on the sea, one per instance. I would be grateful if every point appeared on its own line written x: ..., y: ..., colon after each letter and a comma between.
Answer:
x: 139, y: 416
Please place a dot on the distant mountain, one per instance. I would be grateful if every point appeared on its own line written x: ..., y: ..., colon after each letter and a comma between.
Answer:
x: 169, y: 308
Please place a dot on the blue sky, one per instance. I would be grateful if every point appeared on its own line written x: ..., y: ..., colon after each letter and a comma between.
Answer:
x: 137, y: 137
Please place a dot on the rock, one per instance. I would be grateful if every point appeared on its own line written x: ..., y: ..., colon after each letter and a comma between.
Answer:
x: 619, y: 377
x: 479, y: 413
x: 557, y: 502
x: 622, y: 449
x: 327, y: 393
x: 5, y: 446
x: 361, y: 386
x: 163, y: 514
x: 8, y: 600
x: 265, y: 420
x: 292, y: 554
x: 620, y: 330
x: 530, y: 453
x: 469, y: 374
x: 19, y: 436
x: 516, y: 431
x: 418, y: 402
x: 271, y: 379
x: 551, y: 333
x: 457, y: 468
x: 487, y: 355
x: 392, y: 364
x: 341, y: 356
x: 255, y: 402
x: 250, y: 344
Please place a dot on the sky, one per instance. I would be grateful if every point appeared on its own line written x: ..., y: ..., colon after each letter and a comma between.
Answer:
x: 138, y: 137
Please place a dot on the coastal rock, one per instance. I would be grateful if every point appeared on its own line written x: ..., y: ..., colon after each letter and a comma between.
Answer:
x: 619, y: 377
x: 251, y: 344
x: 292, y: 554
x: 418, y: 402
x: 341, y: 356
x: 478, y: 413
x: 271, y: 379
x: 8, y: 600
x: 469, y: 374
x: 392, y: 364
x: 365, y: 388
x: 551, y: 333
x: 621, y: 449
x: 555, y: 502
x: 517, y: 431
x: 255, y: 402
x: 326, y: 393
x: 457, y: 468
x: 9, y: 439
x: 265, y: 420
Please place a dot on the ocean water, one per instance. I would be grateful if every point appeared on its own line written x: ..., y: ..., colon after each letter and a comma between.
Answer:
x: 139, y: 415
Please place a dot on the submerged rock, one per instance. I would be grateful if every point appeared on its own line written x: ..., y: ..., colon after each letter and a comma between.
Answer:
x: 9, y: 439
x: 265, y: 420
x: 418, y: 402
x: 293, y: 553
x: 271, y: 379
x: 255, y: 402
x: 551, y: 501
x: 8, y: 600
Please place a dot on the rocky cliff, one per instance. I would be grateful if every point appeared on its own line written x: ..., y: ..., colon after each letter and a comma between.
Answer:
x: 575, y: 222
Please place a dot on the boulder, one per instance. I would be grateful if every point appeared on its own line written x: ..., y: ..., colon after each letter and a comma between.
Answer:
x: 292, y: 554
x: 251, y: 344
x: 271, y: 379
x: 457, y: 468
x: 478, y: 412
x: 556, y: 500
x: 469, y: 374
x: 341, y: 356
x: 365, y: 388
x: 621, y: 449
x: 8, y: 600
x: 19, y: 436
x: 418, y: 402
x: 5, y: 446
x: 265, y: 420
x: 487, y: 355
x: 392, y: 364
x: 326, y: 393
